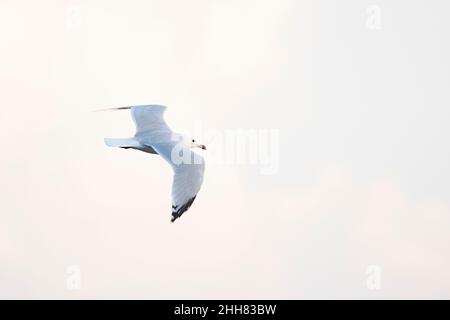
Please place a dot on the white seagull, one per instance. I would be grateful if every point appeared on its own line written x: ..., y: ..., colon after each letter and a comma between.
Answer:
x: 154, y: 136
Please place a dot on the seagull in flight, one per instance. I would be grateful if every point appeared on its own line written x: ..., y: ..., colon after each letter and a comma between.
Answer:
x: 155, y: 137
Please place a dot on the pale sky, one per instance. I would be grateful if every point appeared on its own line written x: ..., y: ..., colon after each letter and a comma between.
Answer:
x: 360, y: 103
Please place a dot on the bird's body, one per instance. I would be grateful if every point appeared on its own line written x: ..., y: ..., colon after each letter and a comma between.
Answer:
x: 155, y: 137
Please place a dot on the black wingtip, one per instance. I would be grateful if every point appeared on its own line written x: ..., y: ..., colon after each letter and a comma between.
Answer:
x: 112, y: 109
x: 174, y: 217
x: 179, y: 211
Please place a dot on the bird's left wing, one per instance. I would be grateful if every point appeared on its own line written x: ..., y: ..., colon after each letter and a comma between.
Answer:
x: 188, y: 169
x: 187, y: 181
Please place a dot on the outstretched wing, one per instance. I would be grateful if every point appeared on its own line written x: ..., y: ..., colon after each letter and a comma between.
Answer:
x: 148, y: 118
x: 188, y: 169
x: 187, y: 181
x: 150, y: 128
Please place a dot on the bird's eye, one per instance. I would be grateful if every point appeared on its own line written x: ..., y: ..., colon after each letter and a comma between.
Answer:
x: 193, y: 140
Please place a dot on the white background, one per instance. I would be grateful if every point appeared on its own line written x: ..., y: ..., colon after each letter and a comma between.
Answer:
x: 364, y: 156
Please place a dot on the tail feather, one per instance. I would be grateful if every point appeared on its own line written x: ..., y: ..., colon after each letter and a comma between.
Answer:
x: 129, y: 143
x: 122, y: 143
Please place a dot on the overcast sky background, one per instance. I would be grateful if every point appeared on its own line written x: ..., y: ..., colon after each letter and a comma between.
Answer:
x: 364, y: 157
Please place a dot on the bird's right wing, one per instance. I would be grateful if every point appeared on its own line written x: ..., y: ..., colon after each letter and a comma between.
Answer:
x: 150, y: 125
x: 149, y: 118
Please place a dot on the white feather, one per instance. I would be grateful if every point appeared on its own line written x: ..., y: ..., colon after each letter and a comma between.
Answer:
x: 152, y: 131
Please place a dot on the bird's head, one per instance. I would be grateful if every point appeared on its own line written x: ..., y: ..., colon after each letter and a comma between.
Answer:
x: 197, y: 145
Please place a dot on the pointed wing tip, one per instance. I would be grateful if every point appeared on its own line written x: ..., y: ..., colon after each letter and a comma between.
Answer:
x: 163, y: 107
x: 184, y: 208
x: 112, y: 109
